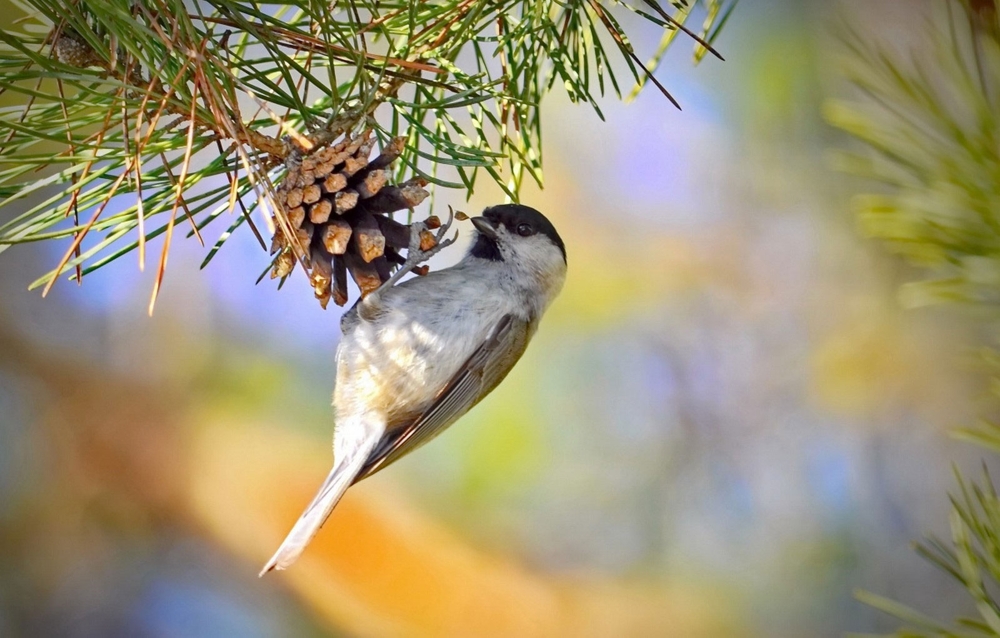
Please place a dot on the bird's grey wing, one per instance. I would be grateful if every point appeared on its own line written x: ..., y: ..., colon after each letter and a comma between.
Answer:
x: 481, y: 372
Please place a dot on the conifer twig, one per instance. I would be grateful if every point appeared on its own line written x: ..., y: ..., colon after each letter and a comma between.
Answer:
x: 142, y: 98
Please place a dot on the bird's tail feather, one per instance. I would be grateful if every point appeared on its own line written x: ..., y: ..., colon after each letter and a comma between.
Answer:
x: 337, y: 481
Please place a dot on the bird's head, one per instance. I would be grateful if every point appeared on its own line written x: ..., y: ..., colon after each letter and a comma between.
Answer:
x: 525, y: 240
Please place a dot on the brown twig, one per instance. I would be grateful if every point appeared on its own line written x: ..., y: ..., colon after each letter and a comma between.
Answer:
x: 173, y: 212
x: 309, y: 43
x: 79, y: 237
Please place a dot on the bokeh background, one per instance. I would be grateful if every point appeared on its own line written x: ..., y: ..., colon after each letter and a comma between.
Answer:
x: 725, y: 425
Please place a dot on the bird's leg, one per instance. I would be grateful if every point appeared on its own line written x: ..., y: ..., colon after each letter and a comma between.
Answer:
x: 371, y: 303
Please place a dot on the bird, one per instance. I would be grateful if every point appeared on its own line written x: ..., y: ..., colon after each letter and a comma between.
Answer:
x: 416, y: 355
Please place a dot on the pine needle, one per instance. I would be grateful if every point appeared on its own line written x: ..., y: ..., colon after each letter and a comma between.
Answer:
x: 109, y: 94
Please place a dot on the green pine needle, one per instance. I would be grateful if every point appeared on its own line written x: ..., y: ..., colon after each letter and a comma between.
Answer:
x: 126, y: 119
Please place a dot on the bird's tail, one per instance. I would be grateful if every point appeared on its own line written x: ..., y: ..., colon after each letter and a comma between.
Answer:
x: 349, y: 461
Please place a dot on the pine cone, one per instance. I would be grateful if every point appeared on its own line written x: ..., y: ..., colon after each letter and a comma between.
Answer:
x: 70, y: 48
x: 336, y: 202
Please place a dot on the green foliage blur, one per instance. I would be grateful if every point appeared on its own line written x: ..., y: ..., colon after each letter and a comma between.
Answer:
x: 930, y: 120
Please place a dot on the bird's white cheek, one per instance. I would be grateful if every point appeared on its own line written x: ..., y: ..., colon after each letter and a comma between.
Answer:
x: 556, y: 282
x: 549, y: 277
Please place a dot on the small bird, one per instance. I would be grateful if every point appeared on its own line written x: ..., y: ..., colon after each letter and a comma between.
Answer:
x: 415, y: 357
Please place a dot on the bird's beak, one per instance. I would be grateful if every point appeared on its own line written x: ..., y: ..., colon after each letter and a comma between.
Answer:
x: 485, y: 227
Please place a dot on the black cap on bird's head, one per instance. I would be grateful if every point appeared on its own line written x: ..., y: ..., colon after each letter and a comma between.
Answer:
x: 516, y: 220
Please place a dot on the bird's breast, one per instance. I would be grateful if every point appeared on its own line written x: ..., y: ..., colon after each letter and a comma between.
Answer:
x: 399, y: 362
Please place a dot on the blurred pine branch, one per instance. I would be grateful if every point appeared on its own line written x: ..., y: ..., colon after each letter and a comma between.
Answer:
x: 124, y: 119
x: 932, y: 132
x: 930, y: 124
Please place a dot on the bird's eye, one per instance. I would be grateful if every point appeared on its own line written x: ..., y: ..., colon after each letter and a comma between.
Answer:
x: 524, y: 230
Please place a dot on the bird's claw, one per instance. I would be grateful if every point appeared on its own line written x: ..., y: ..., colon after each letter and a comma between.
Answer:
x: 414, y: 257
x: 439, y: 241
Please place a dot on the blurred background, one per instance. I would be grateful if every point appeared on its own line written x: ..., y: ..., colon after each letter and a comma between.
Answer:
x: 725, y: 425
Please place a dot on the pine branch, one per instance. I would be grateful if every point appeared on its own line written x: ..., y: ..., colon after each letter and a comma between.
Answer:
x: 931, y: 128
x: 130, y: 118
x: 932, y: 131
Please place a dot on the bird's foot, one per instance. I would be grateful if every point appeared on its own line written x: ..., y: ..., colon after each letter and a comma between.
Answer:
x: 371, y: 303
